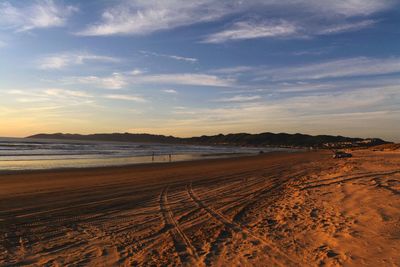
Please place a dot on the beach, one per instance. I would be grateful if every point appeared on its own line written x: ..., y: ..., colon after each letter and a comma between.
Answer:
x: 275, y: 209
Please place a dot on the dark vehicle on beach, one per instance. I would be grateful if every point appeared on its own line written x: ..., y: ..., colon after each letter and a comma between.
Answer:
x: 341, y: 154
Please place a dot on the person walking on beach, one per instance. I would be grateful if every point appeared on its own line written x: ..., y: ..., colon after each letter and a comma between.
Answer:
x: 170, y: 157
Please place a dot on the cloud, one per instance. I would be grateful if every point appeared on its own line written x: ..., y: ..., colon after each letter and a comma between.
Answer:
x: 249, y: 30
x: 121, y: 80
x: 349, y: 7
x: 137, y: 17
x: 342, y: 68
x: 35, y: 95
x: 136, y: 72
x: 294, y: 78
x: 245, y: 30
x: 239, y: 98
x: 115, y: 81
x: 233, y: 70
x: 35, y: 15
x: 187, y: 79
x: 314, y: 52
x: 317, y: 87
x: 170, y: 91
x: 126, y: 98
x: 63, y: 60
x: 66, y: 93
x: 175, y: 57
x: 347, y: 27
x: 2, y: 44
x: 143, y: 17
x: 305, y: 87
x: 57, y: 92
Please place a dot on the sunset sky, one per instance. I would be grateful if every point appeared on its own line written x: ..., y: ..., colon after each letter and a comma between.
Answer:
x: 200, y: 67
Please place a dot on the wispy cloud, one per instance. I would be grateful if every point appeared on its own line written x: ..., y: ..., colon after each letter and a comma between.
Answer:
x: 348, y: 7
x: 347, y: 27
x: 66, y: 93
x: 239, y: 98
x: 48, y: 95
x: 333, y: 69
x: 314, y: 52
x: 63, y: 60
x: 143, y: 17
x: 34, y: 15
x: 138, y: 17
x: 304, y: 87
x: 114, y: 81
x: 245, y: 30
x: 121, y: 80
x: 233, y: 70
x: 175, y: 57
x: 350, y: 67
x: 250, y: 30
x: 57, y: 92
x: 170, y: 91
x: 187, y: 79
x: 126, y: 97
x: 136, y: 72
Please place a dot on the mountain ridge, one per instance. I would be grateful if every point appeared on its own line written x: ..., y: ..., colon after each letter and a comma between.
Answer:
x: 236, y: 139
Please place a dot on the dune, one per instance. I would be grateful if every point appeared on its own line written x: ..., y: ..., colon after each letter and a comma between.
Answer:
x: 277, y: 209
x: 386, y: 147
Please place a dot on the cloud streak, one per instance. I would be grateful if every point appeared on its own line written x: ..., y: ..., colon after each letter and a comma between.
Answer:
x: 347, y: 27
x: 66, y: 93
x: 143, y: 17
x: 122, y: 80
x: 170, y: 91
x: 175, y: 57
x: 249, y: 30
x: 126, y: 98
x: 114, y: 81
x: 239, y: 98
x: 196, y: 79
x: 63, y: 60
x: 35, y: 15
x: 342, y: 68
x: 136, y: 17
x: 246, y: 30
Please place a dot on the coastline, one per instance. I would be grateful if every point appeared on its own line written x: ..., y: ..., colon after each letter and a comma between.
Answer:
x: 200, y: 158
x: 16, y: 154
x: 197, y: 163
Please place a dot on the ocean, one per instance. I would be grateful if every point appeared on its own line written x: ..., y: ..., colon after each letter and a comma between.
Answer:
x: 35, y: 154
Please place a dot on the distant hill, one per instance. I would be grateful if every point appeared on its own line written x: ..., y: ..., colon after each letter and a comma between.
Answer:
x: 239, y: 139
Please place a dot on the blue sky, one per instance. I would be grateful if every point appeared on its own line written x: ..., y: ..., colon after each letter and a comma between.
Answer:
x: 200, y: 67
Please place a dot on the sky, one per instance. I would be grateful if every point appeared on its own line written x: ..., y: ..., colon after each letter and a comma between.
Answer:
x: 189, y: 68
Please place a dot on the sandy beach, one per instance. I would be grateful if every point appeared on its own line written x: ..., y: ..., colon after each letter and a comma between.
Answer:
x: 276, y: 209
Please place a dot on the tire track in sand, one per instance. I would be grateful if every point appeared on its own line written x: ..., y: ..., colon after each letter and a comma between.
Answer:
x: 344, y: 178
x: 285, y: 261
x: 186, y: 251
x: 149, y: 241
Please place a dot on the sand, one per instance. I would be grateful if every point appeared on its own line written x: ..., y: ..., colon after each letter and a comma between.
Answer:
x: 279, y: 209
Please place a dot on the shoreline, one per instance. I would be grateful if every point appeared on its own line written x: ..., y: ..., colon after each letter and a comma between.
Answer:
x: 148, y: 165
x: 208, y: 157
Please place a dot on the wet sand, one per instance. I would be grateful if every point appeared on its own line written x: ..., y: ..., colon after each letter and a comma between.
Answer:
x: 278, y: 209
